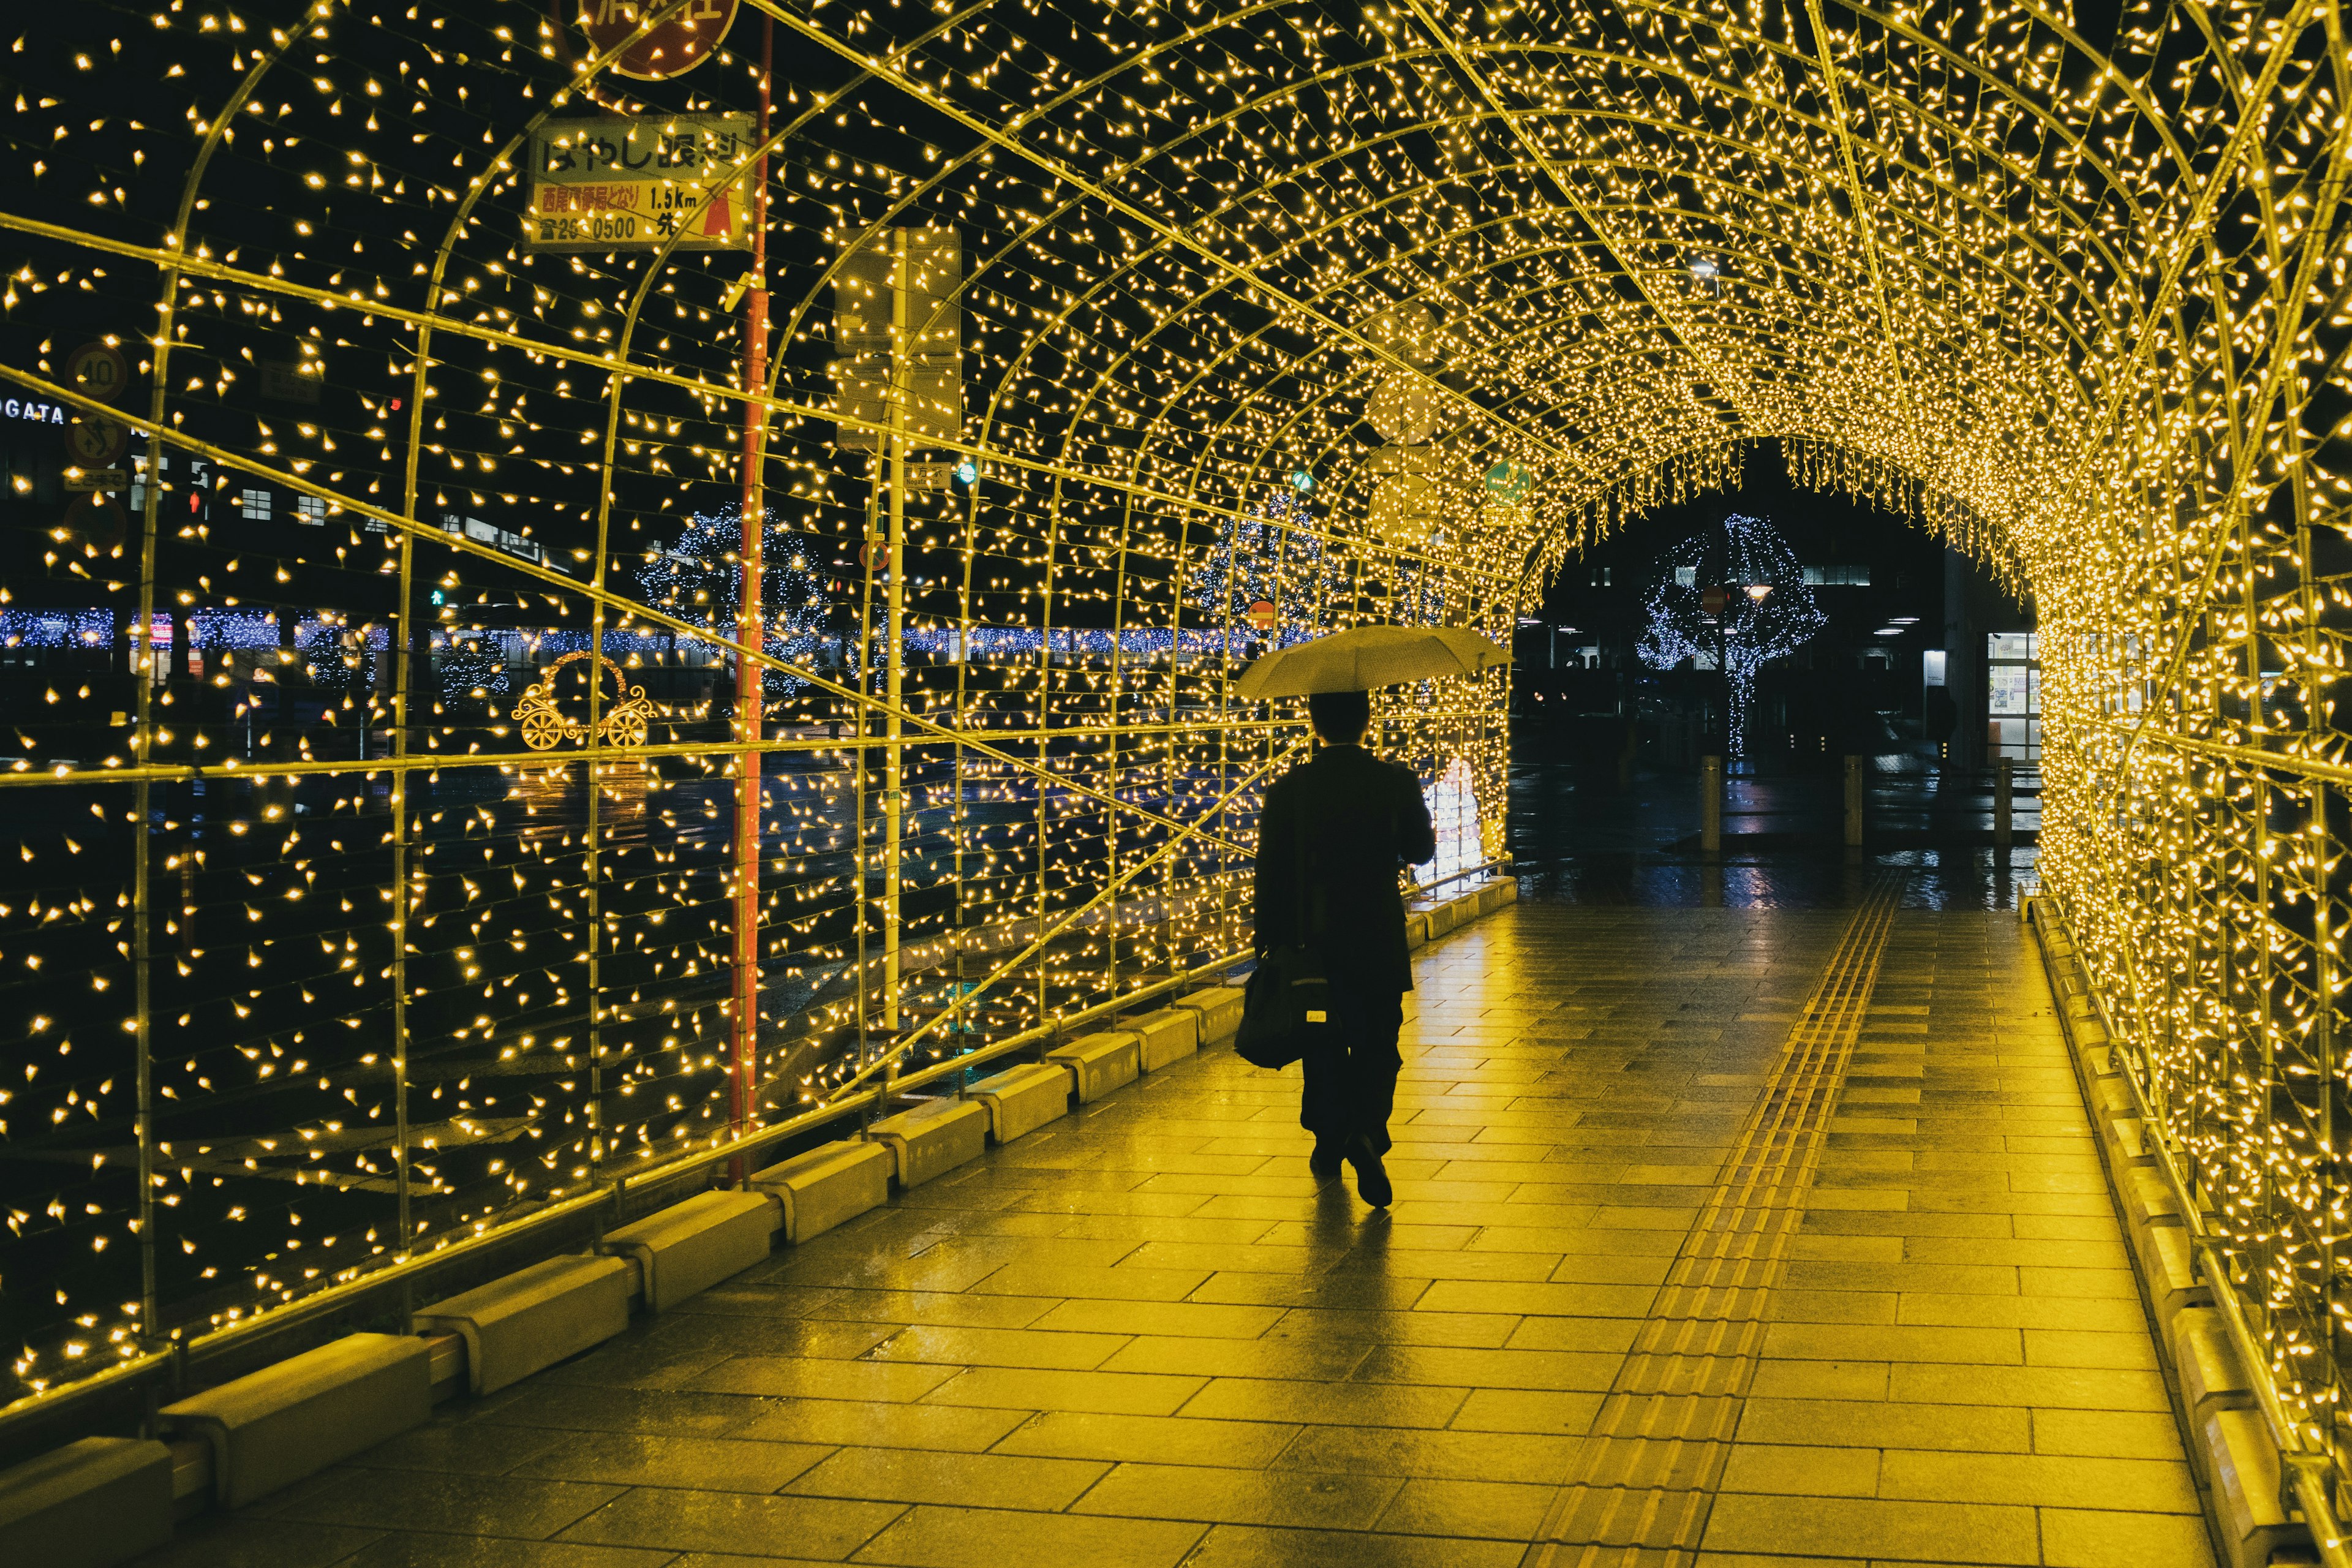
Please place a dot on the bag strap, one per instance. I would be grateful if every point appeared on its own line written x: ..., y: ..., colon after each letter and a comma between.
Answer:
x: 1307, y: 904
x: 1298, y: 881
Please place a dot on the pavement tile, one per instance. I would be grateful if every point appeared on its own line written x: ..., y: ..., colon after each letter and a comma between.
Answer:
x: 1299, y: 1499
x: 710, y: 1464
x: 1068, y: 1352
x: 1920, y: 1532
x: 835, y: 1422
x: 937, y: 1537
x: 794, y: 1377
x: 1112, y: 1393
x: 2081, y: 1538
x: 1500, y: 1509
x: 1170, y: 1439
x: 991, y: 1480
x: 1888, y: 1423
x: 451, y: 1504
x: 819, y: 1529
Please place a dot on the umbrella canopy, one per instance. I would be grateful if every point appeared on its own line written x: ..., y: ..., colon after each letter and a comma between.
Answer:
x: 1364, y: 656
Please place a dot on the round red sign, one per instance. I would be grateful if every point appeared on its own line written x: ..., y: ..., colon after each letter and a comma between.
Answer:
x: 687, y: 36
x: 1261, y: 616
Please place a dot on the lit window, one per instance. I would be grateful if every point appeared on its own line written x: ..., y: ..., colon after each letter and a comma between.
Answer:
x: 256, y: 504
x: 310, y: 509
x: 1688, y: 577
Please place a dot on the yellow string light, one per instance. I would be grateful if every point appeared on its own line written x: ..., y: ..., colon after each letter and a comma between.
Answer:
x: 1365, y: 322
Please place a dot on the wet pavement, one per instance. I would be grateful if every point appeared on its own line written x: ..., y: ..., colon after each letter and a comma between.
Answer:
x: 1146, y: 1334
x: 1576, y: 836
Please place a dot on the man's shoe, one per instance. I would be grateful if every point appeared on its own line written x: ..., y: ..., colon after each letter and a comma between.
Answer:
x: 1371, y: 1176
x: 1324, y: 1162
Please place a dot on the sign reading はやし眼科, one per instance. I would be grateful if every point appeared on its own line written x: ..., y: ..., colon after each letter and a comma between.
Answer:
x: 637, y: 184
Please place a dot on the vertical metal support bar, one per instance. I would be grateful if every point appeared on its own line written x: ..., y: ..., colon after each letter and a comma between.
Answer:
x: 861, y: 752
x: 1044, y: 726
x: 751, y: 630
x: 1710, y: 805
x: 2004, y: 798
x: 400, y: 643
x: 143, y: 908
x: 1110, y: 720
x: 957, y: 823
x: 1855, y: 798
x: 893, y: 632
x: 2273, y: 1261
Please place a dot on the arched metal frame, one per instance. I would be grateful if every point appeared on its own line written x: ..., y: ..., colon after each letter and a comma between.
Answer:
x: 2081, y: 311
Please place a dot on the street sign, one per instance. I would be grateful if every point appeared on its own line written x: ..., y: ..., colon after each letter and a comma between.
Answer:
x: 98, y: 519
x: 902, y: 281
x: 98, y: 370
x: 633, y: 183
x: 284, y: 380
x: 1263, y: 615
x: 95, y: 441
x: 688, y: 36
x: 94, y: 479
x: 929, y: 476
x: 1712, y: 600
x: 1509, y: 483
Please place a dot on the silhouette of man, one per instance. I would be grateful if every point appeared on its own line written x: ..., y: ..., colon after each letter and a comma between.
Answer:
x: 1351, y: 820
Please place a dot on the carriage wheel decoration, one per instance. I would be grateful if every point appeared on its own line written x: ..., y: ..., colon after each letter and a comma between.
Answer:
x: 625, y: 723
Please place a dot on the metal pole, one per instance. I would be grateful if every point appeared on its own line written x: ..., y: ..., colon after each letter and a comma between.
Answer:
x: 864, y: 719
x: 1853, y: 802
x: 2004, y: 782
x: 750, y: 679
x: 1710, y: 803
x: 893, y: 632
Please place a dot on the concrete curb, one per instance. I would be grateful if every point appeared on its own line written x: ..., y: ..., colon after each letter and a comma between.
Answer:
x: 2230, y: 1445
x: 1100, y: 1062
x: 532, y: 1319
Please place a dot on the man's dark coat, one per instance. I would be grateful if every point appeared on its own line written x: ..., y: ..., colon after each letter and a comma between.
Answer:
x: 1360, y: 819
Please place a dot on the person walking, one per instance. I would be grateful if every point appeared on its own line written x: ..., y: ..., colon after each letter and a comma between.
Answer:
x: 1349, y: 822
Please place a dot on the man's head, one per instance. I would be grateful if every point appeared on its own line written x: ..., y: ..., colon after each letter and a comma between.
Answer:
x: 1340, y: 717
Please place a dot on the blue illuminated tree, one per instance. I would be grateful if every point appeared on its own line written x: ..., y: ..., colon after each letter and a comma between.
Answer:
x: 1745, y: 555
x: 1263, y: 557
x: 699, y: 579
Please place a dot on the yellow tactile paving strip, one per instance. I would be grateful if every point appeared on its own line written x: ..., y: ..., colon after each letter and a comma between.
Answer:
x: 1647, y: 1473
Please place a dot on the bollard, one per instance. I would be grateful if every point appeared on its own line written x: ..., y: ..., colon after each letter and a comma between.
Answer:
x: 1853, y: 801
x: 1710, y: 803
x: 2004, y: 784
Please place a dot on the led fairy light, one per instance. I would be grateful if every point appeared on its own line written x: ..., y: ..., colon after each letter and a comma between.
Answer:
x: 1976, y: 279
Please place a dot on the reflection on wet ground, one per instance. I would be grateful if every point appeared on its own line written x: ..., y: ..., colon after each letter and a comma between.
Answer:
x: 1576, y: 837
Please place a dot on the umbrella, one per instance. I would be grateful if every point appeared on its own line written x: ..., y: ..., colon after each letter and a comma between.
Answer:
x: 1364, y: 656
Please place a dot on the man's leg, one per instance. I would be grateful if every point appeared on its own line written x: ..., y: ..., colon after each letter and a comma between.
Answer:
x: 1369, y: 1021
x: 1326, y: 1104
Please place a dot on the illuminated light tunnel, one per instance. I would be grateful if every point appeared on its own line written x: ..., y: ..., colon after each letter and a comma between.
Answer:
x: 1092, y: 351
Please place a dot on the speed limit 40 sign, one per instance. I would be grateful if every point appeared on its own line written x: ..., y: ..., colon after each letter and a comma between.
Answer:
x: 100, y: 371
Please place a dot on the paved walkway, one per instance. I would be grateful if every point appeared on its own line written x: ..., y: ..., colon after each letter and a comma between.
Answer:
x: 1146, y: 1335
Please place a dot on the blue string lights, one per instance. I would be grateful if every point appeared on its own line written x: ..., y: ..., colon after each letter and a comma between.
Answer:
x: 1733, y: 596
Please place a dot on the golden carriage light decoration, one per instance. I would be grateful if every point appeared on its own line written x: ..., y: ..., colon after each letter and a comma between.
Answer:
x: 626, y: 722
